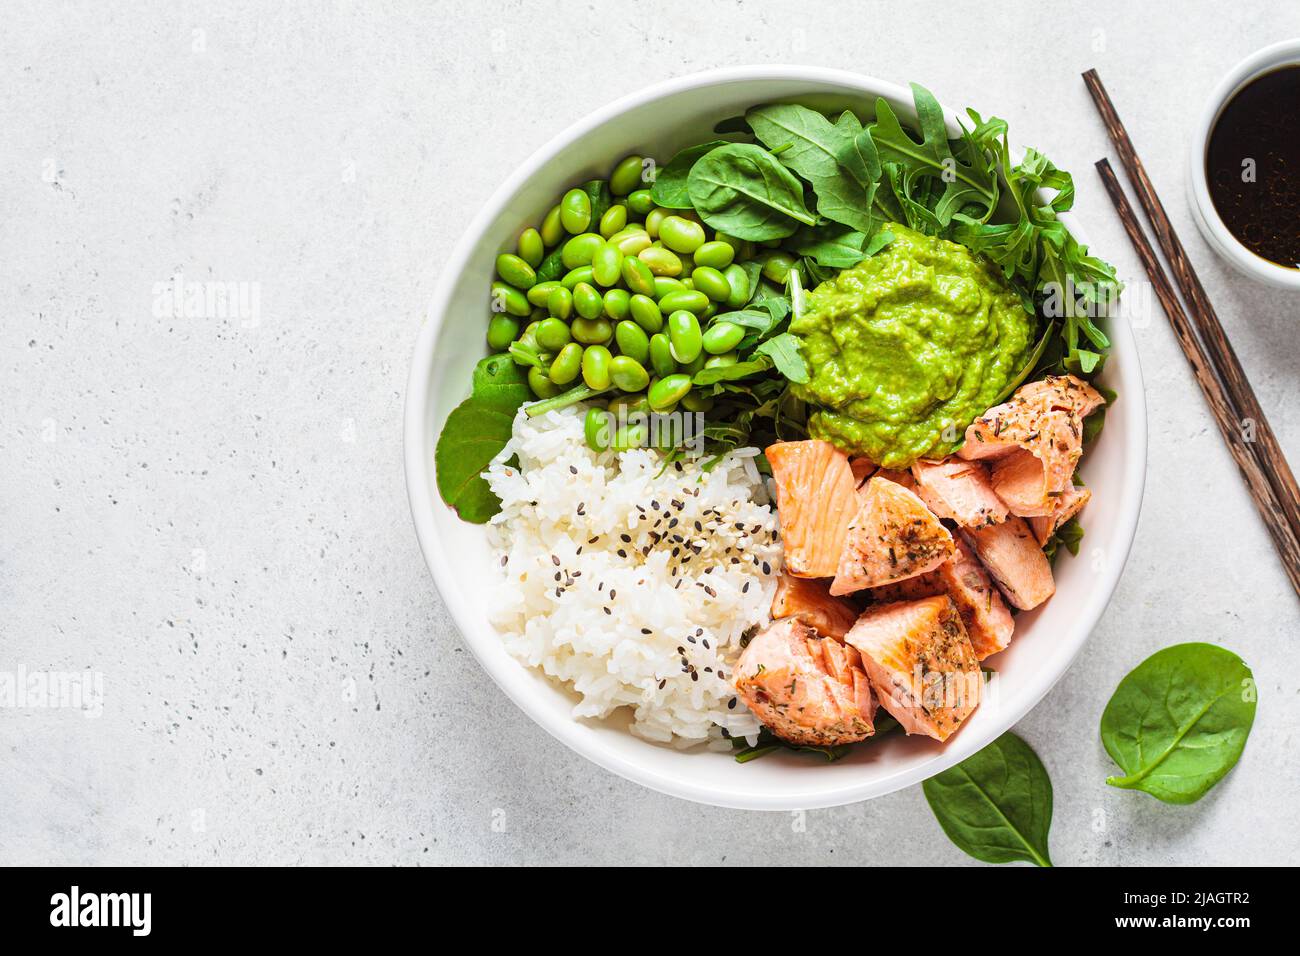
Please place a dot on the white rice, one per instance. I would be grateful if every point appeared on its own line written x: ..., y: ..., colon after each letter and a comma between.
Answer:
x: 576, y: 599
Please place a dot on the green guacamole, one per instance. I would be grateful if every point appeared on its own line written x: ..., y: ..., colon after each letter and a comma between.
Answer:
x: 908, y: 347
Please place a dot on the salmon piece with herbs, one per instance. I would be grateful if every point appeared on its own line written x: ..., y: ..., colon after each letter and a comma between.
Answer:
x: 989, y: 623
x: 1015, y: 561
x: 806, y: 689
x: 816, y: 500
x: 959, y: 491
x: 893, y: 536
x: 1068, y: 504
x: 1035, y: 440
x: 809, y: 600
x: 921, y: 663
x: 909, y: 589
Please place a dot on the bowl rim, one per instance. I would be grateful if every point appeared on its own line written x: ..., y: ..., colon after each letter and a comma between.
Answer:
x: 418, y: 470
x: 1211, y: 225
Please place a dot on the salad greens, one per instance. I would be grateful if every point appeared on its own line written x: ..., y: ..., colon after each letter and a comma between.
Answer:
x: 1179, y: 721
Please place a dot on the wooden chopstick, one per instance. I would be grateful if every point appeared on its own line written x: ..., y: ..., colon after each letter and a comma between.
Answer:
x: 1221, y: 353
x: 1251, y: 468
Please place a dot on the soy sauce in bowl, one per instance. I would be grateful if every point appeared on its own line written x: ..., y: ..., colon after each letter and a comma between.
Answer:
x: 1252, y: 166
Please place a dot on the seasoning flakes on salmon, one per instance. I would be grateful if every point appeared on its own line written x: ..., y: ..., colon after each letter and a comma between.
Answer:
x: 1035, y: 440
x: 893, y: 536
x: 959, y: 491
x: 816, y: 500
x: 1068, y: 504
x: 809, y: 600
x: 989, y: 623
x: 921, y: 663
x: 806, y: 689
x: 909, y: 589
x: 1015, y: 561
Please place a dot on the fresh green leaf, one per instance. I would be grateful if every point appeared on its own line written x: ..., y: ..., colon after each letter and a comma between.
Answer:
x: 743, y: 190
x: 837, y: 246
x: 996, y: 805
x: 1030, y: 365
x: 552, y: 267
x: 601, y: 198
x: 784, y: 352
x: 729, y: 373
x: 669, y: 189
x: 1179, y: 721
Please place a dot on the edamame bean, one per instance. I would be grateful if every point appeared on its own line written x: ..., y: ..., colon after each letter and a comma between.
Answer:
x: 591, y: 331
x: 738, y: 280
x: 777, y: 266
x: 627, y: 373
x: 553, y: 334
x: 666, y: 284
x: 626, y: 176
x: 715, y: 255
x: 539, y: 293
x: 640, y: 202
x: 541, y: 384
x: 721, y: 361
x: 688, y: 299
x: 646, y: 313
x: 560, y: 302
x: 697, y: 402
x: 633, y: 242
x: 530, y: 247
x: 607, y: 265
x: 632, y: 342
x: 668, y: 391
x: 684, y: 335
x: 660, y: 261
x: 506, y: 298
x: 552, y: 229
x: 701, y: 360
x: 587, y: 301
x: 597, y: 428
x: 617, y: 303
x: 575, y: 211
x: 652, y: 220
x: 501, y: 331
x: 595, y: 367
x: 718, y: 338
x: 615, y: 218
x: 638, y: 276
x: 628, y: 404
x: 574, y: 276
x: 681, y: 234
x: 567, y: 364
x: 580, y: 250
x: 711, y: 282
x: 661, y: 355
x: 632, y: 435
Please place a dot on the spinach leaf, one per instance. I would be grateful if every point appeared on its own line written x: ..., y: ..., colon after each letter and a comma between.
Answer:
x: 784, y: 352
x: 669, y: 189
x: 476, y: 431
x: 1179, y: 721
x: 601, y: 198
x: 996, y: 805
x: 843, y: 171
x: 743, y: 190
x: 729, y: 373
x: 836, y: 246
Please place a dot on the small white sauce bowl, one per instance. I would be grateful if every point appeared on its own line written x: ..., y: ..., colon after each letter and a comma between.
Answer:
x: 1286, y: 53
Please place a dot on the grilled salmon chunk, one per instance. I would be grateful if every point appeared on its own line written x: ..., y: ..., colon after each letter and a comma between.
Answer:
x: 1015, y: 561
x: 1068, y: 504
x: 1035, y: 440
x: 810, y: 601
x: 892, y: 537
x: 921, y: 663
x: 816, y: 499
x: 959, y: 491
x: 806, y: 689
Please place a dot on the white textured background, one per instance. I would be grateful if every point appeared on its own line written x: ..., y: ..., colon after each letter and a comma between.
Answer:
x: 214, y: 517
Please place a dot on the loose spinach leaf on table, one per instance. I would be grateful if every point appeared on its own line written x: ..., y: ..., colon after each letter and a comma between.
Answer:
x: 476, y: 431
x: 1179, y: 721
x: 743, y: 190
x: 669, y: 189
x: 996, y: 805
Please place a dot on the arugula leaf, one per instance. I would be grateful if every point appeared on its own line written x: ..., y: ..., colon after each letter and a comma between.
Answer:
x: 475, y: 432
x: 669, y: 188
x: 1179, y: 721
x: 743, y: 190
x: 996, y: 805
x: 784, y: 352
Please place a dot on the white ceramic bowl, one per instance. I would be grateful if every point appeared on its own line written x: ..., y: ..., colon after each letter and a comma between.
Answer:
x: 1286, y: 53
x: 656, y: 122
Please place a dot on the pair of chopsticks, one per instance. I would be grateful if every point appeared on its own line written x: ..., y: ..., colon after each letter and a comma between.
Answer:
x: 1236, y: 410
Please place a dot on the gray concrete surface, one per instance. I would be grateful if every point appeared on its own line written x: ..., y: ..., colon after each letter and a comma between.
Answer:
x: 208, y: 514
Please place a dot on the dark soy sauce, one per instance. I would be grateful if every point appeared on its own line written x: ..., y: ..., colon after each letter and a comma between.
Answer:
x: 1253, y: 166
